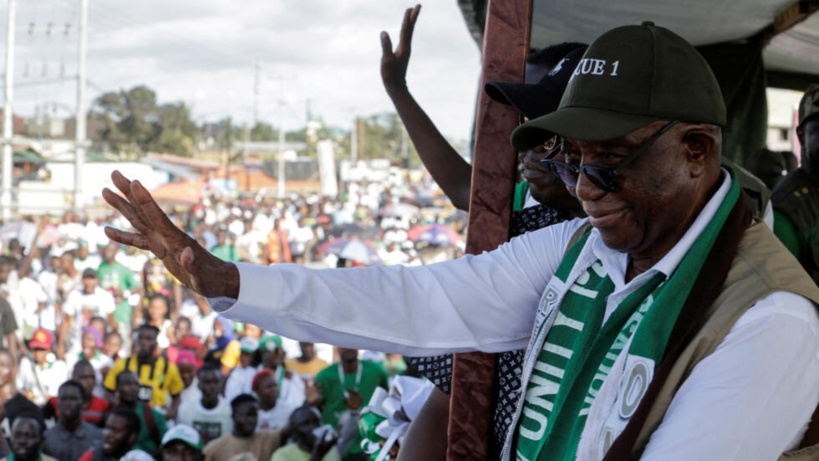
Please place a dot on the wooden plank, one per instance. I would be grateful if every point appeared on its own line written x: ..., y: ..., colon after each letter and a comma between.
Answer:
x: 506, y: 42
x: 795, y: 13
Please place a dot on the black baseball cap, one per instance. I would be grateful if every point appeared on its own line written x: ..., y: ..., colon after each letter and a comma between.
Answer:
x: 541, y: 98
x: 630, y: 77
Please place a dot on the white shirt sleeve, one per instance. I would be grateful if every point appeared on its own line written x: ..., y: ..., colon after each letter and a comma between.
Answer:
x: 24, y: 375
x: 38, y: 292
x: 485, y: 302
x: 753, y: 397
x: 107, y: 304
x: 71, y: 303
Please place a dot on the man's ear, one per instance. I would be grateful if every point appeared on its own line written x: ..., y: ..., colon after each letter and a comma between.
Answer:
x: 701, y: 145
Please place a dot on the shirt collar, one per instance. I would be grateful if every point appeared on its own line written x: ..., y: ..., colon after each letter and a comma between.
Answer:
x: 616, y: 262
x: 78, y: 434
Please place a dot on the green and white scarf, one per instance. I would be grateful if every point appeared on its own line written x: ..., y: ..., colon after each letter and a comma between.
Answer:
x: 580, y: 349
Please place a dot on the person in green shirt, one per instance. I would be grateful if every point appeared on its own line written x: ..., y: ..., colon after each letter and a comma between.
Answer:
x: 225, y: 250
x: 152, y: 426
x: 346, y: 387
x: 796, y: 206
x: 119, y: 280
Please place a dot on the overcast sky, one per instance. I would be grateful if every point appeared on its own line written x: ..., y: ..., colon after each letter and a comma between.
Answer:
x: 203, y: 52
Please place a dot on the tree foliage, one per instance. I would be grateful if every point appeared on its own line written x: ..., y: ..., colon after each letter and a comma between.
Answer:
x: 380, y: 136
x: 136, y: 124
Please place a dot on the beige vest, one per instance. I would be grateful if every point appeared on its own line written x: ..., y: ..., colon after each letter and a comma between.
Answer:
x: 761, y: 267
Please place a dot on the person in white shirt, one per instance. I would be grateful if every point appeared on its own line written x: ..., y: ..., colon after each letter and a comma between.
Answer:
x: 132, y: 259
x: 202, y: 320
x: 186, y: 362
x: 290, y: 386
x: 49, y: 279
x: 641, y: 142
x: 84, y: 259
x: 37, y: 312
x: 240, y: 380
x: 39, y: 377
x: 91, y: 351
x: 273, y: 412
x: 80, y: 307
x: 210, y: 415
x: 299, y: 236
x: 392, y: 255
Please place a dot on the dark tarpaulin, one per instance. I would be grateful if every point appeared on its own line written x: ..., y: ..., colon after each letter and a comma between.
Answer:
x: 493, y: 179
x: 741, y: 75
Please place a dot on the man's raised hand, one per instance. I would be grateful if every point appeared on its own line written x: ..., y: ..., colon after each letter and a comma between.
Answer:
x: 182, y: 256
x: 394, y: 64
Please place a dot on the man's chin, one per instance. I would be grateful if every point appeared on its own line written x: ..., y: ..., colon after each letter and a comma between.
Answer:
x: 26, y: 454
x: 616, y: 240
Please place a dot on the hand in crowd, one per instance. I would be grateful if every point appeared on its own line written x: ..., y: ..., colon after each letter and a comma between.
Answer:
x: 354, y: 401
x: 322, y: 446
x: 312, y: 394
x: 188, y: 261
x: 394, y: 64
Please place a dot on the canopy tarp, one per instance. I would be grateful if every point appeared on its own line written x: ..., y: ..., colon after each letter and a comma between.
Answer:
x: 182, y: 192
x: 27, y: 156
x: 792, y: 53
x: 750, y: 44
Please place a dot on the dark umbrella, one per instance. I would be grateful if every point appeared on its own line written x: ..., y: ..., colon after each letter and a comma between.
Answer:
x: 352, y: 249
x: 360, y: 231
x: 434, y: 234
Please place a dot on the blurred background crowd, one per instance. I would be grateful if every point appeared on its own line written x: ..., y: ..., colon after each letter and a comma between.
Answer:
x: 90, y: 328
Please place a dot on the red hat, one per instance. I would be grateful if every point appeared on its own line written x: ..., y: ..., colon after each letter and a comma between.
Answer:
x: 191, y: 342
x: 260, y: 375
x: 41, y: 339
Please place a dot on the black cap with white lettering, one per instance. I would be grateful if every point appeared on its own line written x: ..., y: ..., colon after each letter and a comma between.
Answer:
x: 630, y: 77
x: 543, y: 97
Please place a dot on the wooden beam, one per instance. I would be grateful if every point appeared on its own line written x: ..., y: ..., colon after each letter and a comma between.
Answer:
x: 505, y: 46
x: 792, y: 15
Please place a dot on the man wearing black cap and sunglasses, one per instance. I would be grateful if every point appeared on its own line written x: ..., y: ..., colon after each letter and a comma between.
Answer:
x: 795, y: 197
x: 666, y: 326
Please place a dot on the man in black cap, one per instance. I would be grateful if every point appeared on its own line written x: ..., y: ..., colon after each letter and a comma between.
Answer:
x: 796, y: 198
x: 540, y: 200
x: 648, y: 327
x: 547, y: 72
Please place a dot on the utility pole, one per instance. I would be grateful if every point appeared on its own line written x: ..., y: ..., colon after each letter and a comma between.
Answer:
x: 354, y: 140
x: 404, y: 147
x: 8, y: 118
x: 282, y: 176
x: 256, y: 90
x: 79, y: 158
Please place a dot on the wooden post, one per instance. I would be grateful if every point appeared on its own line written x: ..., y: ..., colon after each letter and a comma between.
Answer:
x: 505, y: 46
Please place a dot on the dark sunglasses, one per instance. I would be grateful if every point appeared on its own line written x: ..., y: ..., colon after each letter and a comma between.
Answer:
x: 603, y: 177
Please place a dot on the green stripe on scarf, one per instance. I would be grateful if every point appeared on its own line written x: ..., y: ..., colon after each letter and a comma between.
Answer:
x: 580, y: 350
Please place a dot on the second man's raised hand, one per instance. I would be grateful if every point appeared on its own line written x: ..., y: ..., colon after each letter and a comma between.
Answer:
x: 394, y: 63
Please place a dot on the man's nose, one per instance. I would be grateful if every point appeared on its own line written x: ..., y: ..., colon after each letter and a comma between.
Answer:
x: 586, y: 190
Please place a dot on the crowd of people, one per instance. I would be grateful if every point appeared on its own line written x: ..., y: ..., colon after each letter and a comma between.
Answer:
x: 106, y: 355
